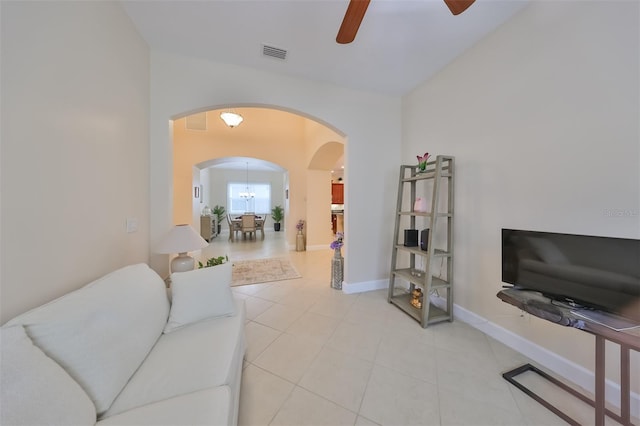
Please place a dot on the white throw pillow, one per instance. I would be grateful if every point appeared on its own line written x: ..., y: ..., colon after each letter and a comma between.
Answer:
x: 35, y: 389
x: 200, y: 294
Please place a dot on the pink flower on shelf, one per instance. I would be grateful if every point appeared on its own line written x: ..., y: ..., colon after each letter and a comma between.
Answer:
x: 422, y: 160
x: 300, y: 225
x: 337, y: 243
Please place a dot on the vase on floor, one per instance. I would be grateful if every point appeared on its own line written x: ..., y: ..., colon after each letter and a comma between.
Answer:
x: 300, y: 241
x: 337, y: 269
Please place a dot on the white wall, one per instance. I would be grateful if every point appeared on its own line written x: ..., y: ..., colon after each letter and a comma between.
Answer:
x: 205, y: 181
x: 220, y: 178
x: 75, y: 143
x: 318, y: 231
x: 180, y: 84
x: 542, y: 117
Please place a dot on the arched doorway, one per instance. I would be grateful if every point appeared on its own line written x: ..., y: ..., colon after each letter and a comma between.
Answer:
x: 294, y: 142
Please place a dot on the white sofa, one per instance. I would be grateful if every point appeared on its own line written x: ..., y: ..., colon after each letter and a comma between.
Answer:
x: 118, y: 352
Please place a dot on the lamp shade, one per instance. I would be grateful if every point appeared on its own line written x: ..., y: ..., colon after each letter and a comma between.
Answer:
x: 181, y: 239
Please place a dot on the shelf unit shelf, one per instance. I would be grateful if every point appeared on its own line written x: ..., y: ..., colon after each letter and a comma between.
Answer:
x: 406, y: 274
x: 419, y: 251
x: 423, y: 214
x: 436, y: 315
x: 408, y: 283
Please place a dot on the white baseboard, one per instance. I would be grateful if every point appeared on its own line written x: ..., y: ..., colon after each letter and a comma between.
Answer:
x: 361, y: 287
x: 569, y: 370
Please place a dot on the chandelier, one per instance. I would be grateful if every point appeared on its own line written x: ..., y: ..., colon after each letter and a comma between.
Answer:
x: 246, y: 194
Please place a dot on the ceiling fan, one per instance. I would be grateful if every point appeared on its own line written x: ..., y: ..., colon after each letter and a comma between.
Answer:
x: 357, y: 8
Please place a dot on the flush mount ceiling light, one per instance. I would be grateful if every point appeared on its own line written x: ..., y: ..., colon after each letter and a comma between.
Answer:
x: 231, y: 119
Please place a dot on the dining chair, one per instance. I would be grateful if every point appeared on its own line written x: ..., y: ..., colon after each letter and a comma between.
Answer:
x: 248, y: 225
x: 260, y: 224
x: 234, y: 227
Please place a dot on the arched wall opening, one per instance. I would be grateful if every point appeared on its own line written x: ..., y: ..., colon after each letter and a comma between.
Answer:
x: 182, y: 85
x: 292, y: 141
x: 217, y: 174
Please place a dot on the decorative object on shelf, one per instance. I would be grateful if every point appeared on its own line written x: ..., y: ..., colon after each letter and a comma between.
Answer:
x: 424, y: 239
x: 410, y: 237
x: 219, y: 211
x: 416, y: 298
x: 337, y: 262
x: 206, y: 211
x: 300, y: 236
x: 420, y: 205
x: 277, y: 214
x: 231, y: 118
x: 181, y: 239
x: 422, y: 162
x: 416, y: 272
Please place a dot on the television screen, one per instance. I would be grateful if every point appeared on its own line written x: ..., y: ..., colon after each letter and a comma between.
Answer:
x: 599, y: 273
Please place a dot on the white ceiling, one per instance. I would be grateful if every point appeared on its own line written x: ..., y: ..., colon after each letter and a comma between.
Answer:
x: 400, y: 44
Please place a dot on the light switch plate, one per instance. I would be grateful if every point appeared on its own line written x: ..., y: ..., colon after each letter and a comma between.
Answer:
x: 132, y: 225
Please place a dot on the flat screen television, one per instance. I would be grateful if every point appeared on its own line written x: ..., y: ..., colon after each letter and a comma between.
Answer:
x: 598, y: 273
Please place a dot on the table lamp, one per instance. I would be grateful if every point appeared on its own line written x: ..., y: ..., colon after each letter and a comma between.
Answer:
x: 181, y: 239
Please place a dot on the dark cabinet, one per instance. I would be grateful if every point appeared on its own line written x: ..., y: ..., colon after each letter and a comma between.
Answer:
x: 337, y: 193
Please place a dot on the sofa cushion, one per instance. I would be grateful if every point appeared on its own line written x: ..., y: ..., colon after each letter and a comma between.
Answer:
x: 198, y: 356
x: 101, y: 333
x: 35, y: 389
x: 205, y: 407
x: 200, y: 294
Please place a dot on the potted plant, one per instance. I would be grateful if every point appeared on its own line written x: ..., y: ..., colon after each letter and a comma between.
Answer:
x: 219, y: 211
x: 277, y: 214
x: 214, y: 261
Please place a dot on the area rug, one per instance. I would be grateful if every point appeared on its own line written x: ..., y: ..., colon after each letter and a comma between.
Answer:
x: 262, y: 271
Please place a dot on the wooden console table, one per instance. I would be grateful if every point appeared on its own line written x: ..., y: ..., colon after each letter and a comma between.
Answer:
x: 541, y: 306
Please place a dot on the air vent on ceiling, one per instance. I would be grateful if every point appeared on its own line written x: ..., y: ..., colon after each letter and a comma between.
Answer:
x: 196, y: 121
x: 274, y: 52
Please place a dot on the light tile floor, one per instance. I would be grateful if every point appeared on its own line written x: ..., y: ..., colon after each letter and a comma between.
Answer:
x: 316, y: 356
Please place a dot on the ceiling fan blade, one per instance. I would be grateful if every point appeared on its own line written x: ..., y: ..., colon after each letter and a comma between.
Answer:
x: 351, y: 22
x: 458, y: 6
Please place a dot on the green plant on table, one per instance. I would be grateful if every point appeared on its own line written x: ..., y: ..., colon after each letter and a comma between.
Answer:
x: 214, y: 261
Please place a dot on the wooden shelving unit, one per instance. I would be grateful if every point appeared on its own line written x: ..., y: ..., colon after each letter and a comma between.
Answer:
x: 436, y: 186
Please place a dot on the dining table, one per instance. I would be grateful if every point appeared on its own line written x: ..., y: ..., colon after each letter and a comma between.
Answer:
x: 236, y: 223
